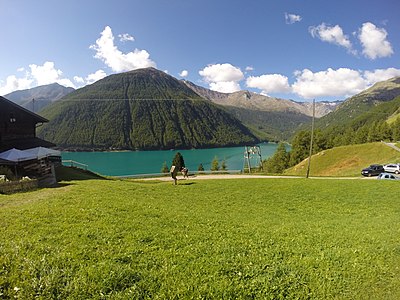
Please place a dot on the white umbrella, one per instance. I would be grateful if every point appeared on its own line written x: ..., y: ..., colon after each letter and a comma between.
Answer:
x: 16, y: 155
x: 41, y: 152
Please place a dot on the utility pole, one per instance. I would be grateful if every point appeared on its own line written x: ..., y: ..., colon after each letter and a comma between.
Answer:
x: 311, y: 140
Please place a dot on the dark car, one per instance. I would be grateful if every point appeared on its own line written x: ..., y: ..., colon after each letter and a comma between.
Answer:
x: 373, y: 170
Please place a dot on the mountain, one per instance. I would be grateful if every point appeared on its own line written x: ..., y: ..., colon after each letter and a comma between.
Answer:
x: 355, y: 107
x: 42, y: 95
x: 269, y: 118
x: 142, y: 109
x: 254, y: 101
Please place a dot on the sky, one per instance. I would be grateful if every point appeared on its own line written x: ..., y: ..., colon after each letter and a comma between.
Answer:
x: 291, y: 49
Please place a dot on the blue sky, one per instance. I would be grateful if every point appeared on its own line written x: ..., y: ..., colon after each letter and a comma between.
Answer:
x: 291, y: 49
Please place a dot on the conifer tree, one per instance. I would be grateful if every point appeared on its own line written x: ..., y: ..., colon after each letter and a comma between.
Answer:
x: 279, y: 161
x: 178, y: 161
x: 164, y: 168
x: 215, y: 164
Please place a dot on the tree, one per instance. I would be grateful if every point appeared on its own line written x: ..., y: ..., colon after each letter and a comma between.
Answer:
x: 300, y: 147
x: 164, y: 168
x: 279, y: 161
x: 200, y: 168
x: 178, y: 161
x: 215, y: 164
x: 223, y: 165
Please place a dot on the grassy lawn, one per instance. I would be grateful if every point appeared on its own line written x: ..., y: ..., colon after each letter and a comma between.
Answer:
x: 205, y: 239
x: 346, y: 160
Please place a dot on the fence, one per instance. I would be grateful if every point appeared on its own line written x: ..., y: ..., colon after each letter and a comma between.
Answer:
x: 72, y: 163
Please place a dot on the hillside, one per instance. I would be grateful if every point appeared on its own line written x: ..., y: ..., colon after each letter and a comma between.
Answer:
x: 142, y: 109
x: 346, y: 160
x: 42, y: 95
x: 269, y: 118
x: 354, y: 107
x: 257, y: 102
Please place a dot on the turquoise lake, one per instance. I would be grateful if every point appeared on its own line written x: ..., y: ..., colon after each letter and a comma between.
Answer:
x: 127, y: 163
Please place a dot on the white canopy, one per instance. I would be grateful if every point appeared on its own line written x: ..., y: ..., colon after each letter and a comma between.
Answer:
x: 16, y: 155
x: 41, y: 152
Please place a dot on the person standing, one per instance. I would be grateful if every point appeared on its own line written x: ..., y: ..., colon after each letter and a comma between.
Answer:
x: 174, y: 172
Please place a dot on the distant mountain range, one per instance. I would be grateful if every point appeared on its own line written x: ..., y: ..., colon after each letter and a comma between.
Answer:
x: 35, y: 99
x: 142, y: 109
x: 361, y: 105
x: 269, y: 118
x: 149, y: 109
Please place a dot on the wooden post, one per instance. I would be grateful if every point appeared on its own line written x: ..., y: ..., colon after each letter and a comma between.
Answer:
x: 311, y: 140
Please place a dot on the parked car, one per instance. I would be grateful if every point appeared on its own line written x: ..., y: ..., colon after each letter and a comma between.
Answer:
x: 392, y: 168
x: 373, y: 170
x: 387, y: 176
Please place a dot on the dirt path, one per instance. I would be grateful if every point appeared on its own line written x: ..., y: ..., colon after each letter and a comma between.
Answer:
x: 238, y: 176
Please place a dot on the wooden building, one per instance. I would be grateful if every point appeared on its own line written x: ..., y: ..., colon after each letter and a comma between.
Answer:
x: 18, y: 127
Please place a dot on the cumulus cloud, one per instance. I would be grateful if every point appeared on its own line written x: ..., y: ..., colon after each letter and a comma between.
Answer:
x: 36, y: 75
x: 333, y: 35
x: 374, y: 41
x: 291, y: 18
x: 336, y: 83
x: 91, y: 78
x: 184, y: 73
x: 107, y: 52
x: 45, y: 74
x: 372, y: 77
x: 249, y: 69
x: 269, y: 83
x: 126, y: 37
x: 222, y: 77
x: 13, y: 83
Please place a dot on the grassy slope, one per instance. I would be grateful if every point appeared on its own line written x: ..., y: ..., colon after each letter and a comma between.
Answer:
x: 346, y: 160
x: 258, y: 239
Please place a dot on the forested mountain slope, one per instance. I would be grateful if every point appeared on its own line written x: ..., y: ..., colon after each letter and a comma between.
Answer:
x: 141, y: 109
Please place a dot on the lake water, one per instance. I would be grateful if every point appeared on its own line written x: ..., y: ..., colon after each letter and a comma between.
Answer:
x: 148, y: 162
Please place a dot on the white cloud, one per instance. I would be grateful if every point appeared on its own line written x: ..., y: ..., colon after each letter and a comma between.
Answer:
x: 225, y: 86
x: 291, y: 18
x: 107, y: 52
x: 45, y: 74
x: 333, y: 35
x: 374, y: 42
x: 249, y: 69
x: 372, y: 77
x: 184, y: 73
x: 91, y: 78
x: 13, y: 83
x: 332, y: 83
x: 222, y: 77
x: 37, y: 75
x: 126, y: 37
x: 269, y: 83
x: 79, y: 80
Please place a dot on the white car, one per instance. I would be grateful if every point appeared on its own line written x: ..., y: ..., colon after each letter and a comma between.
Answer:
x: 387, y: 176
x: 392, y: 168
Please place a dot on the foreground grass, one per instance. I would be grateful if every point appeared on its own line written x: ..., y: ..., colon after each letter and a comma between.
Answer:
x: 346, y: 160
x: 223, y: 239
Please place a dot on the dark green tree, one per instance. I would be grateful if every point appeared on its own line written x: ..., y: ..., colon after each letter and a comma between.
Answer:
x: 300, y: 147
x: 396, y: 130
x: 200, y: 168
x: 279, y: 161
x: 178, y: 161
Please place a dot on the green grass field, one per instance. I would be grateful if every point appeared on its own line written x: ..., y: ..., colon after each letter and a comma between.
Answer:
x: 346, y: 160
x: 204, y: 239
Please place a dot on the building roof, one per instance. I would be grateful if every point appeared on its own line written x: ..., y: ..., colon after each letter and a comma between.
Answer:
x: 38, y: 118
